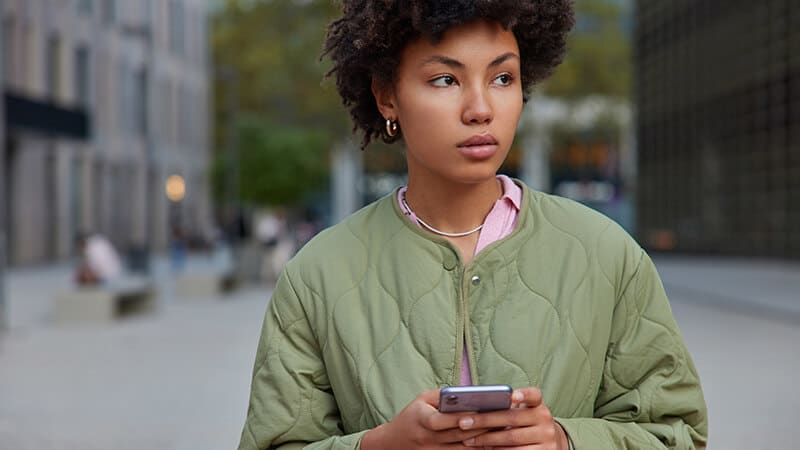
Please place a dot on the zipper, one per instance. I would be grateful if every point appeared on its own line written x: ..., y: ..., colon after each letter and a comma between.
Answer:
x: 467, y: 338
x: 462, y: 331
x: 460, y: 326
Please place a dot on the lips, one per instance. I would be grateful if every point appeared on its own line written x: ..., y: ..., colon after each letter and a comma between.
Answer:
x: 482, y: 139
x: 479, y: 146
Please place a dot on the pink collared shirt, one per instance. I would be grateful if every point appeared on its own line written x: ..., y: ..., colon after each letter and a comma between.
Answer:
x: 499, y: 223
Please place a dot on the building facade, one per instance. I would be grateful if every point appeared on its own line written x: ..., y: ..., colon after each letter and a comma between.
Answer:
x: 104, y: 101
x: 718, y: 126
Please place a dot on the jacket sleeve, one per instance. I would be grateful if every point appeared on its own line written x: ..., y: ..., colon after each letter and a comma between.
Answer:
x: 650, y: 395
x: 291, y: 402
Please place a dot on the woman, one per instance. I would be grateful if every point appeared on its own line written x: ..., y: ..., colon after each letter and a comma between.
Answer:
x: 463, y: 276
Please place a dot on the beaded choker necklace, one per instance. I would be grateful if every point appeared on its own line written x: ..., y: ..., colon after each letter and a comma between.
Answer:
x: 435, y: 230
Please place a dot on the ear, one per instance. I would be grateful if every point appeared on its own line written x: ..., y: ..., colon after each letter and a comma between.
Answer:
x: 385, y: 99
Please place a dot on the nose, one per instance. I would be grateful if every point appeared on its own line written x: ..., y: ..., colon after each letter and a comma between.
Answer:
x: 477, y: 107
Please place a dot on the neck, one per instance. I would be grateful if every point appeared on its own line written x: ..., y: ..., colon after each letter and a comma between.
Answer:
x: 452, y: 208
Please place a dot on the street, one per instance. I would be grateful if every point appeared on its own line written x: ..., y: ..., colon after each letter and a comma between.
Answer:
x: 179, y: 379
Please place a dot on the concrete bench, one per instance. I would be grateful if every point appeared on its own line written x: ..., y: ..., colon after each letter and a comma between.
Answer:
x: 104, y: 303
x: 205, y: 284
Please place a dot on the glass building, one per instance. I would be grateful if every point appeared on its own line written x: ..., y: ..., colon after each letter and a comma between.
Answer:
x: 718, y: 126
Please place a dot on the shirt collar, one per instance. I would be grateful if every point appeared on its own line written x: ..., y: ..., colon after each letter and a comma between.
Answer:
x: 511, y: 192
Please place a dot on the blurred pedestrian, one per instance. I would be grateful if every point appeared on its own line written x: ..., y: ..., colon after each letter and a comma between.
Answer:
x: 465, y: 276
x: 177, y: 249
x: 270, y: 231
x: 305, y: 228
x: 98, y: 262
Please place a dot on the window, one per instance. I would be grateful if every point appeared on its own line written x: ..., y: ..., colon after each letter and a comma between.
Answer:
x: 102, y: 71
x: 140, y: 97
x: 85, y: 7
x: 125, y: 99
x: 8, y: 49
x: 147, y: 12
x: 82, y: 82
x: 176, y: 27
x: 186, y: 116
x: 53, y: 67
x: 109, y: 11
x: 24, y: 51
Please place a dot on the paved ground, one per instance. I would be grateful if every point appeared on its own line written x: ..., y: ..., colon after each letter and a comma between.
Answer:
x: 179, y: 379
x: 741, y: 321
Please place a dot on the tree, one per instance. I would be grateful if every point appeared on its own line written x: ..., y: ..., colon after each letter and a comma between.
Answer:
x: 598, y: 60
x: 279, y: 165
x: 272, y: 48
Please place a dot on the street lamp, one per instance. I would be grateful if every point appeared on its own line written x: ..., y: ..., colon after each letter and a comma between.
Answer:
x: 175, y: 188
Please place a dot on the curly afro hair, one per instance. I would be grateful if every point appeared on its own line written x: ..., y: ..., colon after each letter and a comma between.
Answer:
x: 369, y: 38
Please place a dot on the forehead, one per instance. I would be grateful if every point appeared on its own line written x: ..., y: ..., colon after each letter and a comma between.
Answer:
x: 469, y: 42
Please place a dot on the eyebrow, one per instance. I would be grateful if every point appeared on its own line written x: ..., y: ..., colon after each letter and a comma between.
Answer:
x: 459, y: 65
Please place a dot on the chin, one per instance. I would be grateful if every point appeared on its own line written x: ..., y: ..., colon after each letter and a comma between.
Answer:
x: 477, y: 176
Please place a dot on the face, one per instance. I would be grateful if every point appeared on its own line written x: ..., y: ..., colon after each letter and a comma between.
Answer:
x: 457, y: 102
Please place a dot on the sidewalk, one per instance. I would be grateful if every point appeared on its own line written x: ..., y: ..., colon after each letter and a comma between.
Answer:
x: 180, y: 379
x: 175, y: 380
x: 755, y: 286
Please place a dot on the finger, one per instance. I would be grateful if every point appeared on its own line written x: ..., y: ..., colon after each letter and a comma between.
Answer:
x: 513, y: 437
x: 456, y: 436
x: 500, y: 419
x: 530, y: 397
x: 443, y: 421
x: 518, y: 417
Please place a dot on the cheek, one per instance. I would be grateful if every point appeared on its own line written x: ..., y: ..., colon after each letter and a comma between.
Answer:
x: 426, y: 101
x: 427, y: 116
x: 509, y: 112
x: 509, y: 104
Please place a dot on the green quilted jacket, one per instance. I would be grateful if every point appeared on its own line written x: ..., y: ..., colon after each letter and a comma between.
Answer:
x: 375, y: 310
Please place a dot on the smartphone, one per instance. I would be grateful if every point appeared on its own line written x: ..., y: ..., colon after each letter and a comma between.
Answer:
x: 475, y: 398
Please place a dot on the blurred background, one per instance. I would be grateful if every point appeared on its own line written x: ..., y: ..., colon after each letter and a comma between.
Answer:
x: 160, y: 160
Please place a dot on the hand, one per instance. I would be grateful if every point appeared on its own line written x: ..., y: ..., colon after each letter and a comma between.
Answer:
x: 527, y: 425
x: 421, y: 426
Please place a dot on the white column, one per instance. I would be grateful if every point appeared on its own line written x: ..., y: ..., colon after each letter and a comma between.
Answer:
x: 346, y: 179
x: 536, y: 162
x: 63, y: 200
x: 29, y: 201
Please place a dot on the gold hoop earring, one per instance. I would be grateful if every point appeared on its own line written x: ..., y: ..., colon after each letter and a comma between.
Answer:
x: 391, y: 127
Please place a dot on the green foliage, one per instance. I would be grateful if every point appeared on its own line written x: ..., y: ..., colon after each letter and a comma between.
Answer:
x: 273, y: 47
x: 279, y: 165
x: 285, y: 115
x: 598, y: 60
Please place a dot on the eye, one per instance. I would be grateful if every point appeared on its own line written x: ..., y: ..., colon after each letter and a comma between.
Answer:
x: 504, y: 79
x: 443, y: 81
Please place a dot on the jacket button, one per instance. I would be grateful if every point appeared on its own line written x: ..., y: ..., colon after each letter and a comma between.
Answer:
x: 476, y: 280
x: 449, y: 262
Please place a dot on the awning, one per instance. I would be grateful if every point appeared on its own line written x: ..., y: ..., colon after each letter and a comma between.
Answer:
x: 45, y: 117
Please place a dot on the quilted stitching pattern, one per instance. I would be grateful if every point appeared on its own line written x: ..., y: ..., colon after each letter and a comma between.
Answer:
x: 523, y: 314
x: 541, y: 315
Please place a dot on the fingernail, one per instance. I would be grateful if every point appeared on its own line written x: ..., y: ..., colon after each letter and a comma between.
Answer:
x: 469, y: 441
x: 466, y: 422
x: 517, y: 396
